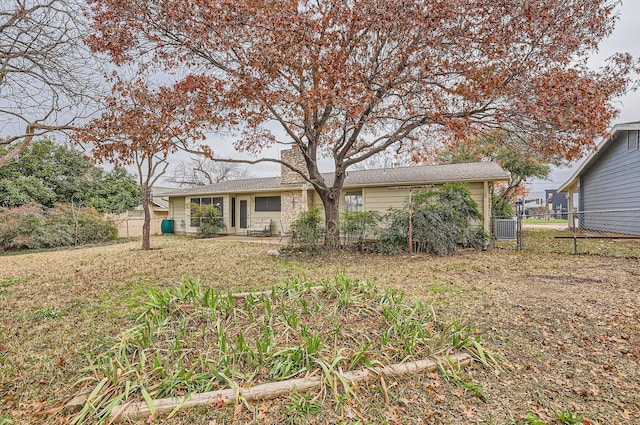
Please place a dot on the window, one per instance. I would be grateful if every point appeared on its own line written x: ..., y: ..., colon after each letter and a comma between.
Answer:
x: 218, y: 201
x: 267, y: 203
x: 353, y: 201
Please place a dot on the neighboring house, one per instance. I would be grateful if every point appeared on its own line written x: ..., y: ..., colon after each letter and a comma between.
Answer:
x: 609, y: 180
x: 159, y: 203
x: 282, y: 199
x: 557, y: 203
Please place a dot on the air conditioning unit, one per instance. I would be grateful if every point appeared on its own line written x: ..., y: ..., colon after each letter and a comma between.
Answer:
x: 504, y: 229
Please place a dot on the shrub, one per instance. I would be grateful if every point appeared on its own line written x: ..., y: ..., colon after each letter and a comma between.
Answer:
x: 211, y: 221
x: 307, y: 229
x: 441, y: 221
x: 356, y: 226
x: 34, y: 226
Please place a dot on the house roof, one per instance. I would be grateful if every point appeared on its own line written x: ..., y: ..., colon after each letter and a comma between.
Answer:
x: 160, y: 203
x: 593, y: 157
x: 468, y: 172
x: 160, y: 199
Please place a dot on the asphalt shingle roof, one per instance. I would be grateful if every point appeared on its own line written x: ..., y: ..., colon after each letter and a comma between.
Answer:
x: 475, y: 171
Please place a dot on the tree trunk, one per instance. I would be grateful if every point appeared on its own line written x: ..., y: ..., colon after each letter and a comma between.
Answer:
x: 331, y: 203
x: 146, y: 226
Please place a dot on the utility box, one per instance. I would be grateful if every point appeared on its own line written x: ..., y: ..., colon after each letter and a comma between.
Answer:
x: 505, y: 229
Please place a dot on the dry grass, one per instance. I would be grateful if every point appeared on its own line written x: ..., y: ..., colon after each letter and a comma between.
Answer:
x: 567, y: 325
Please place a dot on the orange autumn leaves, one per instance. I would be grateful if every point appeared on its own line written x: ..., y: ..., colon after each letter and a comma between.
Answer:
x: 348, y: 80
x: 354, y: 78
x: 143, y: 120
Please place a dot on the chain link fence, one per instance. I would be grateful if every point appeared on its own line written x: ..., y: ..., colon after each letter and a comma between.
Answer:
x: 608, y: 232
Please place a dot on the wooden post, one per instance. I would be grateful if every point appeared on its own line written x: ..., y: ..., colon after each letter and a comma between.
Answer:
x: 138, y: 410
x: 410, y: 188
x: 410, y: 223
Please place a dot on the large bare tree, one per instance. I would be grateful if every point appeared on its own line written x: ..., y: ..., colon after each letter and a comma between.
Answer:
x: 46, y: 73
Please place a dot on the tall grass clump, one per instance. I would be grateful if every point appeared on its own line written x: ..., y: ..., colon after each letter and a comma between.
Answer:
x: 193, y: 338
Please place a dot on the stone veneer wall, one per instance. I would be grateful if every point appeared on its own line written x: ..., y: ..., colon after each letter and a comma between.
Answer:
x: 295, y: 158
x: 294, y: 197
x: 292, y: 204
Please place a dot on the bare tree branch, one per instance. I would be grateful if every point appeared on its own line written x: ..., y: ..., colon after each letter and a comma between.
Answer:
x: 200, y: 171
x: 47, y: 75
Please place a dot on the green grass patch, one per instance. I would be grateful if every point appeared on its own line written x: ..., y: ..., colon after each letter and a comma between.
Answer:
x: 44, y: 313
x: 118, y: 241
x: 12, y: 281
x: 537, y: 220
x: 567, y: 417
x: 558, y: 241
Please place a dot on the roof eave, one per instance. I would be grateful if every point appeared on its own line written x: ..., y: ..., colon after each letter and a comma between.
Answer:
x: 181, y: 194
x: 575, y: 177
x: 433, y: 181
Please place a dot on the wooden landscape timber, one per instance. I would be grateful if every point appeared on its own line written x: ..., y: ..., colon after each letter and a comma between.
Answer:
x: 139, y: 410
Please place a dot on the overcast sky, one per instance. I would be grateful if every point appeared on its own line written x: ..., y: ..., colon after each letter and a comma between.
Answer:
x: 625, y: 38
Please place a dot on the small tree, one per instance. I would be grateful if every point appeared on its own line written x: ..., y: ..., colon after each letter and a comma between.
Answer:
x: 199, y: 171
x: 143, y: 125
x: 512, y: 155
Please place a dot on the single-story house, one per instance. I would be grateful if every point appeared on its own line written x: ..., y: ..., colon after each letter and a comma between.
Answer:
x: 608, y: 184
x: 281, y: 199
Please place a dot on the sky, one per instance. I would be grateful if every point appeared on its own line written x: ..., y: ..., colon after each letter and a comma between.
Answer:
x: 625, y: 38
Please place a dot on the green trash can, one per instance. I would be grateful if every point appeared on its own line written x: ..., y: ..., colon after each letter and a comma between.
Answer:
x: 166, y: 226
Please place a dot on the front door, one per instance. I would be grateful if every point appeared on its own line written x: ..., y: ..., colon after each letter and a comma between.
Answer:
x: 243, y: 214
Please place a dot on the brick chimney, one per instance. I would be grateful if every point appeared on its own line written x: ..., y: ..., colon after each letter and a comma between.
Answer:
x: 294, y: 157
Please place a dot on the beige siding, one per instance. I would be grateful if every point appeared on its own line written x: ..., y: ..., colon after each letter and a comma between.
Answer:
x: 382, y: 198
x: 178, y: 212
x: 315, y: 200
x: 254, y: 215
x: 373, y: 198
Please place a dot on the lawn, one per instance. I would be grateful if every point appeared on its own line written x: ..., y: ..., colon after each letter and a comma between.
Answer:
x: 567, y: 328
